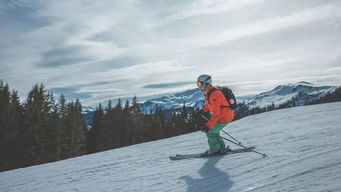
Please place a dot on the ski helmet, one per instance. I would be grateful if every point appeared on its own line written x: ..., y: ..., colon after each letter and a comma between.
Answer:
x: 204, y: 80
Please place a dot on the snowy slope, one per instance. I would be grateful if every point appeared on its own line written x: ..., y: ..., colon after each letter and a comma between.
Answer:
x: 303, y: 144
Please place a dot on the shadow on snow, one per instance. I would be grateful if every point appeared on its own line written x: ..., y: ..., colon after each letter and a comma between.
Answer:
x: 212, y: 179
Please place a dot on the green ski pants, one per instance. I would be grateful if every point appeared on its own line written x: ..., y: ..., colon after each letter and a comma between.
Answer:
x: 215, y: 142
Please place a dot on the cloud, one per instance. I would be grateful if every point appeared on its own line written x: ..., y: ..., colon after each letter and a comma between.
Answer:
x: 333, y: 70
x: 145, y: 70
x: 271, y: 24
x: 71, y: 92
x: 104, y: 49
x: 200, y: 8
x: 166, y: 85
x: 66, y: 56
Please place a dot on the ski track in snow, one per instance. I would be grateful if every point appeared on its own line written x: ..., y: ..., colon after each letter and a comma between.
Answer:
x: 303, y: 145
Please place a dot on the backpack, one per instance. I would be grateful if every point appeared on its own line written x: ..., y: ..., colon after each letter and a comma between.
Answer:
x: 229, y: 96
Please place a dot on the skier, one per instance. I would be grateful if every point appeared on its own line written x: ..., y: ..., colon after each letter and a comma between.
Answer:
x: 220, y: 115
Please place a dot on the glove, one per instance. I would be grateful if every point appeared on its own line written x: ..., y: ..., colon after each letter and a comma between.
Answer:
x: 205, y: 129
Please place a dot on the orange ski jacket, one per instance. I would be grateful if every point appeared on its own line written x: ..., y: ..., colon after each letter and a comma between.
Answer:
x: 214, y: 104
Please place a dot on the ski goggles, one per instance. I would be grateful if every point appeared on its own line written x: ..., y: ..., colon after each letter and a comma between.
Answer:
x: 199, y: 83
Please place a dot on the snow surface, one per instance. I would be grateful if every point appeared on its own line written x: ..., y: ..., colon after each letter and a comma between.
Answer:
x: 303, y: 144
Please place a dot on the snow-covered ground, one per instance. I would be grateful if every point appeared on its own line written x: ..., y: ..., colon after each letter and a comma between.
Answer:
x: 303, y: 145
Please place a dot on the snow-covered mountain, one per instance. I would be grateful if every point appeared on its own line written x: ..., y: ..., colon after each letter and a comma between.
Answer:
x: 303, y: 92
x: 299, y: 94
x: 303, y: 146
x: 88, y: 113
x: 87, y: 109
x: 191, y: 98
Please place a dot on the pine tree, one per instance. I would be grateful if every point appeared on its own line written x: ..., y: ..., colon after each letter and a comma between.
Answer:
x: 118, y: 106
x: 135, y: 108
x: 37, y: 109
x: 119, y: 129
x: 185, y: 120
x: 184, y: 111
x: 39, y: 131
x: 95, y: 134
x: 78, y: 129
x: 160, y: 124
x: 5, y: 129
x: 137, y: 121
x: 126, y: 136
x: 21, y: 133
x: 52, y: 129
x: 109, y: 131
x: 61, y: 129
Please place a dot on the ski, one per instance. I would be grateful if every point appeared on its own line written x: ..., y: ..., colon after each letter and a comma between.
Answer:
x: 200, y: 155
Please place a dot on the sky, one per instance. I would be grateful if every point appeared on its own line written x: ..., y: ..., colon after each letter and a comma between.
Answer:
x: 100, y: 50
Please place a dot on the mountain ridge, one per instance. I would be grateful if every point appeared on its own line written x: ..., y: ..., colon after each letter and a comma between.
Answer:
x: 279, y: 95
x: 291, y: 94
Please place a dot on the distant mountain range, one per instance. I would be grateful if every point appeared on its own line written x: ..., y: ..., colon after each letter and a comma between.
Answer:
x: 302, y: 93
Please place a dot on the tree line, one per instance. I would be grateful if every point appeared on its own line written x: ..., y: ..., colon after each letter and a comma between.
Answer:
x: 39, y: 130
x: 117, y: 126
x: 44, y: 129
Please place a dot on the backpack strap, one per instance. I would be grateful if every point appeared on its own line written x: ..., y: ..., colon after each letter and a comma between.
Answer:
x: 210, y: 93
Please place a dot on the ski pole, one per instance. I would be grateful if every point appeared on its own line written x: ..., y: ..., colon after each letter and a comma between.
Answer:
x: 232, y: 137
x: 223, y: 131
x: 263, y: 154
